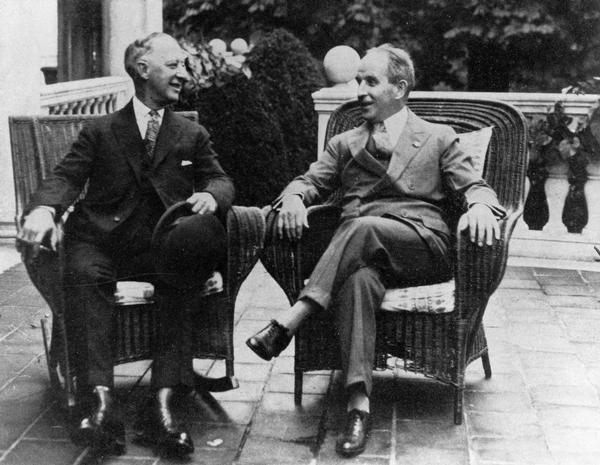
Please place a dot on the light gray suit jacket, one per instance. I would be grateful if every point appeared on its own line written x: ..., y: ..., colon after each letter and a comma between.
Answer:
x: 427, y: 163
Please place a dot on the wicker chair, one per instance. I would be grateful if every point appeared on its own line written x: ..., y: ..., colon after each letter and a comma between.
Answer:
x: 37, y: 144
x: 439, y: 346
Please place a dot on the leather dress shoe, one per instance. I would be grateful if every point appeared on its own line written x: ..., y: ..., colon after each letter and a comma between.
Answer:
x: 353, y: 439
x: 269, y: 341
x: 101, y: 430
x: 156, y: 427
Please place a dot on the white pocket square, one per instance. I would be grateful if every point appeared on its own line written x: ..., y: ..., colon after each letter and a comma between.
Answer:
x: 185, y: 162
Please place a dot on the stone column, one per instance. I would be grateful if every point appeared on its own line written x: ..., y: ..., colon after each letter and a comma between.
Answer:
x: 123, y: 21
x: 20, y: 83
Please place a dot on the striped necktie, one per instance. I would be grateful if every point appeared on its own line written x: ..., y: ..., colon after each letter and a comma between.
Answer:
x: 152, y: 132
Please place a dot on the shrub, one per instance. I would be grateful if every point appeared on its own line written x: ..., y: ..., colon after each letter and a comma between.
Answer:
x: 289, y: 75
x: 264, y: 128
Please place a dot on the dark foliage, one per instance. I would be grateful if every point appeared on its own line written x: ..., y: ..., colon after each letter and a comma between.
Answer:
x: 289, y: 75
x: 246, y: 136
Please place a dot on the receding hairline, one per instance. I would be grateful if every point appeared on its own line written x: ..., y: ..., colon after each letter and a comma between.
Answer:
x: 142, y: 47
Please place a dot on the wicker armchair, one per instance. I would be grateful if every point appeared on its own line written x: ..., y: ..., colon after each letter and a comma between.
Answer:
x: 37, y: 144
x: 439, y: 346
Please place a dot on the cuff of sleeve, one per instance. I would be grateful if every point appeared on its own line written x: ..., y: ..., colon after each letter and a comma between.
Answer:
x: 498, y: 211
x: 276, y: 204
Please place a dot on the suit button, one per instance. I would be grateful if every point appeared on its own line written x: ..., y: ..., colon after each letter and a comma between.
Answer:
x: 116, y: 219
x: 411, y: 186
x: 403, y: 213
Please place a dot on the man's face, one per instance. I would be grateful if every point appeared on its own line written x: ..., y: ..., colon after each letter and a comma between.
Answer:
x: 379, y: 99
x: 163, y: 68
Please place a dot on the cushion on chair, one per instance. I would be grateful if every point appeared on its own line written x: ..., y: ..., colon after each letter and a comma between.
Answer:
x: 433, y: 298
x: 476, y: 143
x: 139, y: 292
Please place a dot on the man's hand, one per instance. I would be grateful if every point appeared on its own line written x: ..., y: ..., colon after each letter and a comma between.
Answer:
x: 292, y: 217
x: 482, y: 224
x: 202, y: 203
x: 38, y: 225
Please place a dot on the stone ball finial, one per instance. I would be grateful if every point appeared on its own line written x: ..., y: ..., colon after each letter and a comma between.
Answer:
x: 238, y: 46
x: 218, y: 46
x: 341, y: 64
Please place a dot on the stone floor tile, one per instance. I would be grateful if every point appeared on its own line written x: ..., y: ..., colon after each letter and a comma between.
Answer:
x: 593, y: 373
x: 559, y: 376
x: 499, y: 382
x: 540, y: 337
x: 567, y: 313
x: 570, y: 290
x: 584, y: 396
x: 428, y: 456
x: 259, y: 450
x: 277, y: 402
x: 234, y: 412
x: 550, y: 360
x: 479, y: 401
x: 515, y: 450
x: 530, y: 316
x: 555, y: 272
x: 204, y: 434
x: 311, y: 384
x: 52, y: 425
x: 248, y: 391
x: 573, y: 301
x: 519, y: 272
x: 570, y: 458
x: 583, y: 329
x: 572, y: 440
x: 431, y: 434
x: 38, y: 452
x: 516, y: 283
x: 258, y: 372
x: 287, y: 426
x: 569, y: 416
x: 285, y: 364
x: 512, y: 424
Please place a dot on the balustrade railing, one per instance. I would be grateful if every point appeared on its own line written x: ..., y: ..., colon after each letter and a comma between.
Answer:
x: 88, y: 96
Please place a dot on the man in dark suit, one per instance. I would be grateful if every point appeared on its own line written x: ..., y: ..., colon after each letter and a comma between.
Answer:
x: 393, y: 173
x: 135, y: 164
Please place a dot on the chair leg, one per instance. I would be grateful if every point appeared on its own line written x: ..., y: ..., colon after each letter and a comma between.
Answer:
x: 298, y: 387
x: 458, y: 405
x: 487, y: 368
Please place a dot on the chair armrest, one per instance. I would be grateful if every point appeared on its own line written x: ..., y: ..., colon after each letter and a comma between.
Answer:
x: 289, y: 263
x: 479, y: 270
x: 245, y: 240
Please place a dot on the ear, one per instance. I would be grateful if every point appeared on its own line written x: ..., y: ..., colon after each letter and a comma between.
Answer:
x: 401, y: 89
x: 142, y: 68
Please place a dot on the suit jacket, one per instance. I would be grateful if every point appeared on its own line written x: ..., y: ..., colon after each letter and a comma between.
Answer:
x: 108, y: 155
x: 425, y: 165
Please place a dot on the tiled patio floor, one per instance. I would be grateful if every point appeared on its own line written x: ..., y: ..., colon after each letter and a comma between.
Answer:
x: 541, y: 406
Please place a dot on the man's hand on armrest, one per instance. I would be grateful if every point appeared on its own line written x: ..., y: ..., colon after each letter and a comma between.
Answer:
x: 38, y: 225
x: 292, y: 217
x: 482, y: 224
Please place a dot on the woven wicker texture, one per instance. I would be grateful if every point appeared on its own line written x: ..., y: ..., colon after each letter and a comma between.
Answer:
x: 436, y: 345
x: 38, y: 143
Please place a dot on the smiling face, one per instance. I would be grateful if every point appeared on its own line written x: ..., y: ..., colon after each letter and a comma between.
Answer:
x: 163, y: 71
x: 378, y: 97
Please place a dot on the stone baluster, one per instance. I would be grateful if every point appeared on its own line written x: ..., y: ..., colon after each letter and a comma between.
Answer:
x: 557, y: 188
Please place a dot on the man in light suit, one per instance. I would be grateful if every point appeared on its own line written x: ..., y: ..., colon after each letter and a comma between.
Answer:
x: 136, y: 164
x: 393, y: 173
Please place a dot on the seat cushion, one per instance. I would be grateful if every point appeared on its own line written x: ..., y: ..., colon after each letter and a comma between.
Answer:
x: 432, y: 298
x: 139, y: 292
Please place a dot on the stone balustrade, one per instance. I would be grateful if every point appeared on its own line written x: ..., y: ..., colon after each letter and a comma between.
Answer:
x: 87, y: 96
x: 553, y: 242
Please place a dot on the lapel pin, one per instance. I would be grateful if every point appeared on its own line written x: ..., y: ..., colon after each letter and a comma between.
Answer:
x: 416, y: 144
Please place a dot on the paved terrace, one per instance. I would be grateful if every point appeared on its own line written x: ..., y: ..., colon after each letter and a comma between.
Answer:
x: 540, y: 407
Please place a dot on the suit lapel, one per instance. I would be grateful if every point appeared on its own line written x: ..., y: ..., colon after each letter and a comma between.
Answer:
x: 410, y: 142
x: 168, y: 133
x: 357, y: 145
x: 127, y: 134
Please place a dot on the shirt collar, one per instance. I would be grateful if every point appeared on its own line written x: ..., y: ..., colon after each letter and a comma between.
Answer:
x: 141, y: 112
x: 394, y: 125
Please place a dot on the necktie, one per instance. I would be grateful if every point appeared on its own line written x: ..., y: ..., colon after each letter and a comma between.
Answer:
x: 152, y: 132
x: 381, y: 140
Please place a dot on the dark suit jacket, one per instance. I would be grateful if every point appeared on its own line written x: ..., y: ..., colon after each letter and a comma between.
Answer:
x: 108, y: 155
x: 426, y: 163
